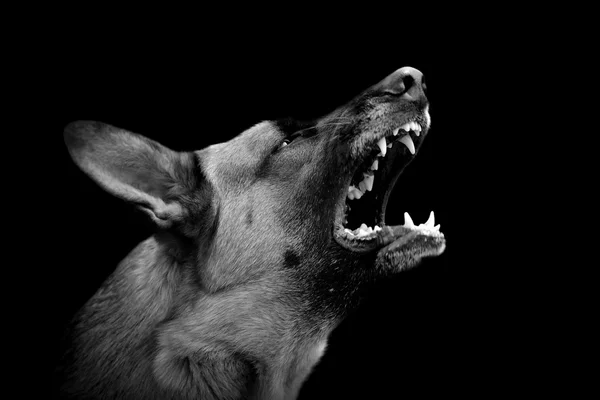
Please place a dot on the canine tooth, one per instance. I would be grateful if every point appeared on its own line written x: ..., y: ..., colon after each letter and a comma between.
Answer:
x: 396, y: 131
x: 408, y: 222
x: 417, y: 129
x: 375, y: 165
x: 352, y: 192
x: 382, y: 146
x: 431, y: 221
x: 368, y: 181
x: 408, y: 143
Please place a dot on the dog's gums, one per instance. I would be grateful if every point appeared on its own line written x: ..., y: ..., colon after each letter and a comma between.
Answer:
x: 263, y: 245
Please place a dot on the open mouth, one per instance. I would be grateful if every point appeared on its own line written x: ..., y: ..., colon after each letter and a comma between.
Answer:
x: 360, y: 218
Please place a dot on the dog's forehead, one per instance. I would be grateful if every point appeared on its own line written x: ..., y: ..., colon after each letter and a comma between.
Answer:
x: 257, y: 139
x: 242, y: 154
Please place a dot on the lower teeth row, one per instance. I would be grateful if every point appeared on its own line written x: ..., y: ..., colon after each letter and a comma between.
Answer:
x: 362, y: 230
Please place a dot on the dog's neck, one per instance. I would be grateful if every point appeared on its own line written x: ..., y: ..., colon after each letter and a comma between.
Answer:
x: 194, y: 332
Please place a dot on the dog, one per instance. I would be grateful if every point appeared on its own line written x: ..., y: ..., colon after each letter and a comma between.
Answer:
x: 262, y: 245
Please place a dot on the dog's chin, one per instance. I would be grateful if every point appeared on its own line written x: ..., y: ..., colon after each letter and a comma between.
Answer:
x: 359, y: 225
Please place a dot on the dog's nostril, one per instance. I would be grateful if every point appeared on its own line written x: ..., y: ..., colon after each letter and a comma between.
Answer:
x: 408, y: 81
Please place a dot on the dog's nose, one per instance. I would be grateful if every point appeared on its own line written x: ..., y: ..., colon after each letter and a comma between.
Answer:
x: 407, y: 83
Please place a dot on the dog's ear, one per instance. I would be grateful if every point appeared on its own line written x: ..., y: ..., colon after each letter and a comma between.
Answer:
x: 134, y: 168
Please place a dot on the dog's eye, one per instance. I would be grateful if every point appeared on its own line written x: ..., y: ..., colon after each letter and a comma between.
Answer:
x: 300, y: 134
x: 289, y: 139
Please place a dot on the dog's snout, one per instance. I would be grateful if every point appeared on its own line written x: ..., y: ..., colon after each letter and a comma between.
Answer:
x: 406, y: 82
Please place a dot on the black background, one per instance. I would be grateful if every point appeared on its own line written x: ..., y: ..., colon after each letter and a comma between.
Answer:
x: 433, y: 330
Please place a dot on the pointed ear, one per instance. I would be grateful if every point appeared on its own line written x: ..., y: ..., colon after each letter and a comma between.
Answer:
x: 133, y: 168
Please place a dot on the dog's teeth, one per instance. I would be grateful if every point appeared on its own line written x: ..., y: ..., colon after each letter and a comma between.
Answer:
x: 408, y: 222
x: 396, y: 131
x: 377, y: 228
x: 382, y: 146
x: 366, y: 184
x: 407, y: 141
x: 361, y: 231
x: 389, y: 146
x: 375, y: 165
x: 417, y: 129
x: 431, y: 221
x: 357, y: 193
x: 406, y: 127
x: 352, y: 192
x: 437, y: 227
x: 348, y: 231
x: 368, y: 181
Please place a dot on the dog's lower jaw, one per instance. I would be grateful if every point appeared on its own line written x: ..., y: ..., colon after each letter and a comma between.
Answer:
x: 408, y: 248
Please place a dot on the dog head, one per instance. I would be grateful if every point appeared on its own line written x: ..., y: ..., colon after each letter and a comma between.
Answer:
x: 297, y: 206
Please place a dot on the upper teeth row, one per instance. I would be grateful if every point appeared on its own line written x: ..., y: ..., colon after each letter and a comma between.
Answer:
x: 409, y: 126
x: 406, y: 140
x: 367, y: 183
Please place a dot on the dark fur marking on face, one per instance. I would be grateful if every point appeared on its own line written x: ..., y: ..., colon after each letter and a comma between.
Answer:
x: 291, y: 259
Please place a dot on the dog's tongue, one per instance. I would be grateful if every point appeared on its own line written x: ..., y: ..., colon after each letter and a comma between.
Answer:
x: 403, y: 246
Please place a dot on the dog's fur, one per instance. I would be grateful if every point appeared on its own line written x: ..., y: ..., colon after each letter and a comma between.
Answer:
x: 236, y: 294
